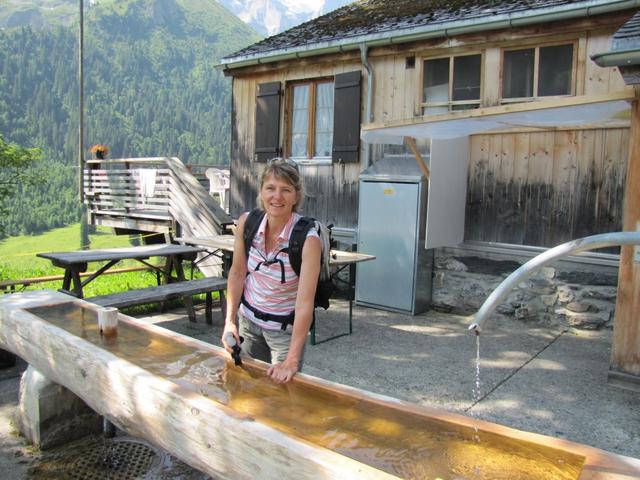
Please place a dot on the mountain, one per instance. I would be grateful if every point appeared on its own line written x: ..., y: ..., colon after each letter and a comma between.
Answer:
x: 151, y: 89
x: 38, y: 13
x: 269, y: 17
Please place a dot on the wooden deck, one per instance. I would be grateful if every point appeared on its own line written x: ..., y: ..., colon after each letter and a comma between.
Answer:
x: 157, y: 194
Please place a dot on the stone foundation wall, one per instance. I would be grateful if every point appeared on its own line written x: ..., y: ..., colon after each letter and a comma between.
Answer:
x: 567, y: 292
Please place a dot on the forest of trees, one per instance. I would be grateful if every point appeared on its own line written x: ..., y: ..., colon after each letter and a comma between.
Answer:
x: 151, y: 89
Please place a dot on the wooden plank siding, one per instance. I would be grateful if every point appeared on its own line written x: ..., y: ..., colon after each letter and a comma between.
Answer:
x: 524, y: 187
x: 331, y: 191
x: 545, y: 188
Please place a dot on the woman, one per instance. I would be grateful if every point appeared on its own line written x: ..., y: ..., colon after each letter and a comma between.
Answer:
x: 263, y: 284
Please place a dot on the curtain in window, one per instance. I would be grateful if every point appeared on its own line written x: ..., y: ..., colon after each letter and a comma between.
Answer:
x: 299, y: 122
x: 324, y: 119
x: 436, y: 85
x: 517, y: 81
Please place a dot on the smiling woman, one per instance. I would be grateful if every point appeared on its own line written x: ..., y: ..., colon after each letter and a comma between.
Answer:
x: 273, y: 301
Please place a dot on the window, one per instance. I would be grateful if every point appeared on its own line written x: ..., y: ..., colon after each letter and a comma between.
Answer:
x: 321, y: 119
x: 537, y: 72
x: 311, y: 119
x: 451, y: 83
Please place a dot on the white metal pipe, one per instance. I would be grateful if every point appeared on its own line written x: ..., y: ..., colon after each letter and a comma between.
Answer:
x: 525, y: 271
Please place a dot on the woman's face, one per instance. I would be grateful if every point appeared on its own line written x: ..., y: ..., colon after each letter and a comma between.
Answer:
x: 278, y: 197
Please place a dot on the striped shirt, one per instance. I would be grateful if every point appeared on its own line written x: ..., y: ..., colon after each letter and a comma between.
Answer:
x: 263, y: 288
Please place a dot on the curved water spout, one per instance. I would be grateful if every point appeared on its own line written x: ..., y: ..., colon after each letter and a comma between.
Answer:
x: 525, y: 271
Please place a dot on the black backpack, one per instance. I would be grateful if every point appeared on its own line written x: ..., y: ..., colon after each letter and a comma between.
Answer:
x: 298, y: 236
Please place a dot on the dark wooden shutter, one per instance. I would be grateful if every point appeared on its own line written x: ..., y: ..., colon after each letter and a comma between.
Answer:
x: 346, y: 117
x: 268, y: 121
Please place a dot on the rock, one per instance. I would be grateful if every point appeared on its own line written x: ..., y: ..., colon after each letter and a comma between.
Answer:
x: 585, y: 321
x: 593, y: 308
x: 565, y: 295
x: 505, y: 308
x: 543, y: 286
x: 607, y: 294
x: 525, y: 313
x: 578, y: 307
x: 473, y: 296
x: 547, y: 272
x: 543, y: 290
x: 454, y: 265
x: 549, y: 300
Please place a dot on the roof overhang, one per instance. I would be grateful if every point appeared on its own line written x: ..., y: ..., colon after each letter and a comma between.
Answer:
x: 597, y: 110
x: 569, y: 11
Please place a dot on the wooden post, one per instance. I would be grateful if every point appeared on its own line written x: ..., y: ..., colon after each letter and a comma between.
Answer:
x: 411, y: 143
x: 625, y: 352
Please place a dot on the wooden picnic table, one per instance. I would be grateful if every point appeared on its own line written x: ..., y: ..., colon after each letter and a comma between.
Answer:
x: 75, y: 262
x: 339, y: 259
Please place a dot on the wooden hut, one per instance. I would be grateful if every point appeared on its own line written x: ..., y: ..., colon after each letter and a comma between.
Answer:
x: 309, y: 92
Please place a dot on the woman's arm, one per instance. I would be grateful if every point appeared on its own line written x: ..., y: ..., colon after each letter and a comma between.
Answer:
x: 235, y: 283
x: 309, y: 273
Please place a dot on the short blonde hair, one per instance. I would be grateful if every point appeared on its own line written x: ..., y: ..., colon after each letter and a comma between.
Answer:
x: 285, y: 170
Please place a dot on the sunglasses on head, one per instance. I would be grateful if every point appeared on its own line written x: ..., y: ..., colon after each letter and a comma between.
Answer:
x: 282, y: 161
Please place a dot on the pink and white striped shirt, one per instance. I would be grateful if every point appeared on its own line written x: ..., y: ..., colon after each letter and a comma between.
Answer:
x: 263, y: 288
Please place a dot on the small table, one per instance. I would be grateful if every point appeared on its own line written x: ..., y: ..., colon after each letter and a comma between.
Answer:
x: 338, y: 258
x: 76, y: 262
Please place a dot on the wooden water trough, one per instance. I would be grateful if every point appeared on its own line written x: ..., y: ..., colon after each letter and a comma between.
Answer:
x: 186, y: 397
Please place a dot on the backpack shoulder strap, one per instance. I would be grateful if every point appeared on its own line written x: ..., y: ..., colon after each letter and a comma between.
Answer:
x: 296, y: 241
x: 251, y: 225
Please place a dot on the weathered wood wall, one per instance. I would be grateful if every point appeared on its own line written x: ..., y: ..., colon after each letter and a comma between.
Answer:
x: 544, y: 188
x: 331, y: 191
x: 536, y: 188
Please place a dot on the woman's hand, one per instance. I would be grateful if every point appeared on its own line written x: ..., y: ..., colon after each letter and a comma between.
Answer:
x: 230, y: 327
x: 283, y: 372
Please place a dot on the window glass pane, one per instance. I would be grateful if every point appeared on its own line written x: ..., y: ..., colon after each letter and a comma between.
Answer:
x: 554, y: 74
x: 466, y: 77
x: 518, y: 73
x: 436, y: 80
x: 300, y: 121
x: 324, y: 119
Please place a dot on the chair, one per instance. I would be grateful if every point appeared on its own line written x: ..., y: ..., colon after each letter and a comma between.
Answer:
x: 218, y: 185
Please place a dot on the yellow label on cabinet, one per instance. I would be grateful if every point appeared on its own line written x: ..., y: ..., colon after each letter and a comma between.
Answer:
x: 388, y: 191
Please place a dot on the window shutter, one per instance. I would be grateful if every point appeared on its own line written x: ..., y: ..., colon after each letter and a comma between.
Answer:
x: 346, y: 118
x: 268, y: 121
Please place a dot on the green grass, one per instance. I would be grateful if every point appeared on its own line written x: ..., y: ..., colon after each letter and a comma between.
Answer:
x: 18, y: 260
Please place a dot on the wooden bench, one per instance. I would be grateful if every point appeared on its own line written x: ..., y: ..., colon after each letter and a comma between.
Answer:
x: 166, y: 292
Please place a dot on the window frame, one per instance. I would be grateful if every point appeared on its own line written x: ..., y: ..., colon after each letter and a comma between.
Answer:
x: 451, y: 103
x: 311, y: 118
x: 536, y: 71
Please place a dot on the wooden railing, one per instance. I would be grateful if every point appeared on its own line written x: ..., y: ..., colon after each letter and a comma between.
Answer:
x: 117, y: 195
x: 151, y: 195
